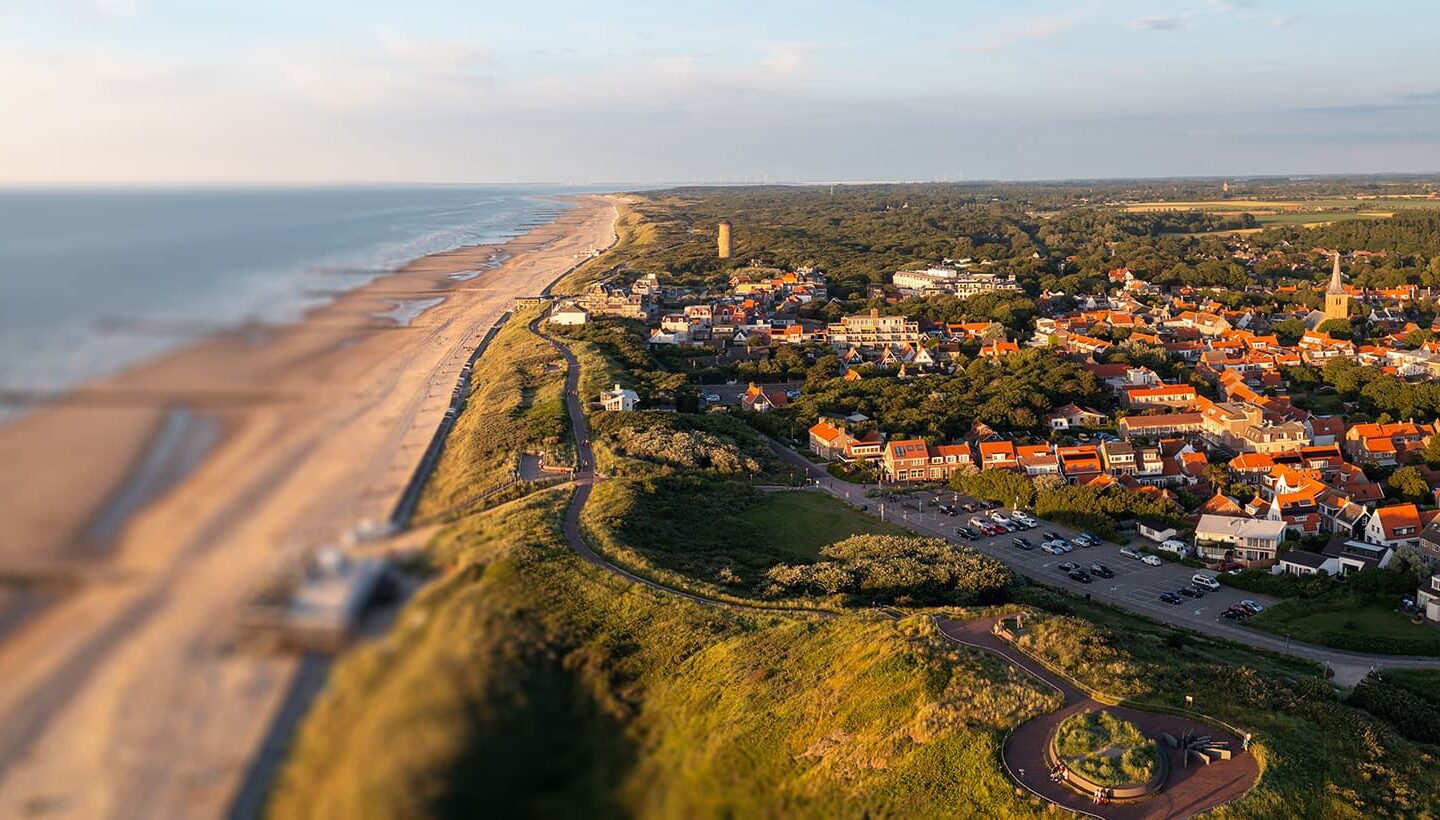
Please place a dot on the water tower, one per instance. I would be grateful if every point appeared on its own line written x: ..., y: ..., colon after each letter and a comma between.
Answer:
x: 724, y: 240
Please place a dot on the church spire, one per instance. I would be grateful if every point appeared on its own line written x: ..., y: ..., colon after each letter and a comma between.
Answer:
x: 1336, y: 288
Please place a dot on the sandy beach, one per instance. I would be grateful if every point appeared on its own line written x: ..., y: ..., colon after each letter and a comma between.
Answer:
x: 122, y: 696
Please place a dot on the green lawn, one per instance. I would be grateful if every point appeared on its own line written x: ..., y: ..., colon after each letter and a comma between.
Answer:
x: 800, y: 523
x: 1343, y: 621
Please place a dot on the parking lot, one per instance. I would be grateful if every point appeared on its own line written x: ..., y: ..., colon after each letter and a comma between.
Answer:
x: 1136, y: 585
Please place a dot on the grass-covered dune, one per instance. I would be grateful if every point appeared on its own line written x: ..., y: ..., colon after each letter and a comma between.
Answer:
x: 525, y: 682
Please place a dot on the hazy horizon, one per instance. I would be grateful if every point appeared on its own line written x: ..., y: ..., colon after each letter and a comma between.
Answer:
x: 161, y: 92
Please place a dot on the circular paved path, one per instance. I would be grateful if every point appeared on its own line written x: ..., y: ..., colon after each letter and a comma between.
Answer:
x: 1187, y: 791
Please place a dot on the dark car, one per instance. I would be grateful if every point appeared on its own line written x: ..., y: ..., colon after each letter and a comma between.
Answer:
x: 1102, y: 570
x: 967, y: 533
x: 1022, y: 542
x: 1080, y: 575
x: 1236, y: 613
x: 1051, y: 535
x: 1171, y: 598
x: 1068, y: 566
x: 1190, y: 592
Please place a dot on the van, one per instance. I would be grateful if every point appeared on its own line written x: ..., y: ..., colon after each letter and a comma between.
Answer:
x: 1179, y: 548
x: 1204, y: 581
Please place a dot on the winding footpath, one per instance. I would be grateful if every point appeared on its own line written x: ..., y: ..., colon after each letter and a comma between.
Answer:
x: 1187, y: 792
x: 585, y: 480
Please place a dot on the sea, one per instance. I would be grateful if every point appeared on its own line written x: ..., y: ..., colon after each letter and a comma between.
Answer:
x: 94, y: 280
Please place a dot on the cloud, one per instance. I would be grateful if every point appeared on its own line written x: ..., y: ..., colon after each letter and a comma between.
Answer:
x: 1034, y: 28
x: 1284, y: 20
x: 113, y: 9
x: 1164, y: 22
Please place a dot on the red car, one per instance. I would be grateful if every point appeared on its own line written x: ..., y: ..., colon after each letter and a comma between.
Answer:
x: 1229, y: 566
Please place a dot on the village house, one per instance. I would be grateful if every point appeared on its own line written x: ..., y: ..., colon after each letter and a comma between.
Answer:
x: 1394, y: 526
x: 619, y: 399
x: 1247, y: 541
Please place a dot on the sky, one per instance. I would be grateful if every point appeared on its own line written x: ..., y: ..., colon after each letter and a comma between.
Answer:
x: 122, y: 92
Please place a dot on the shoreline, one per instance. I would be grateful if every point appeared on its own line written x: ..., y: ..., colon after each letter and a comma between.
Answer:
x: 332, y: 414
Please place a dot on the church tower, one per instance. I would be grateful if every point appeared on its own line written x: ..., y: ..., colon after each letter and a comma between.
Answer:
x: 1337, y: 301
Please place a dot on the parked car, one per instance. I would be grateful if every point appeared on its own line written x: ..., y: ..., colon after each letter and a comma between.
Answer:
x: 1236, y: 613
x: 999, y: 517
x: 1229, y: 566
x: 1010, y: 526
x: 1102, y: 570
x: 968, y: 507
x: 967, y: 533
x: 1191, y: 592
x: 1152, y: 560
x: 1080, y: 542
x: 1131, y: 552
x: 1022, y: 542
x: 1051, y: 535
x: 1092, y: 538
x: 1068, y: 566
x: 977, y: 521
x: 1204, y: 581
x: 711, y: 397
x: 1253, y: 607
x: 1080, y: 575
x: 1049, y: 546
x: 1171, y: 598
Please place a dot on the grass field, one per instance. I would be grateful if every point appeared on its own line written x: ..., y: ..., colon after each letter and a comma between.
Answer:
x: 798, y: 524
x: 1349, y: 622
x: 718, y: 537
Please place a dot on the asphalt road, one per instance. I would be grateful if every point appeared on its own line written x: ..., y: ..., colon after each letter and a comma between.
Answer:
x: 1136, y: 587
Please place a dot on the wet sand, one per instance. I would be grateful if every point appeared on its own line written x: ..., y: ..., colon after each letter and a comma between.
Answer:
x: 124, y: 698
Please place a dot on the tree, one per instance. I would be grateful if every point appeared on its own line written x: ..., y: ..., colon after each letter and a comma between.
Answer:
x: 1289, y: 331
x: 1409, y: 484
x: 1337, y: 328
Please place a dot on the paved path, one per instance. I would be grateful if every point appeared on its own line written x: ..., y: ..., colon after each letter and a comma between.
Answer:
x: 1136, y: 587
x: 1187, y: 791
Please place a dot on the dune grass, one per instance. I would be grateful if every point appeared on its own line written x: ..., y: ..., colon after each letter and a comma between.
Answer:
x: 516, y: 404
x: 1106, y: 749
x: 524, y: 682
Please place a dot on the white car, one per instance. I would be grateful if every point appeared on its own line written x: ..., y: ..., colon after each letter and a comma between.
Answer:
x: 1052, y: 548
x: 1152, y: 560
x: 1204, y: 581
x: 999, y: 517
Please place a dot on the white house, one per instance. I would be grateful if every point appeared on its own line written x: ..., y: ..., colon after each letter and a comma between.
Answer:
x: 1251, y: 540
x: 619, y: 399
x: 1394, y: 526
x: 1300, y: 562
x: 569, y: 313
x: 1428, y: 599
